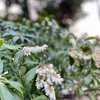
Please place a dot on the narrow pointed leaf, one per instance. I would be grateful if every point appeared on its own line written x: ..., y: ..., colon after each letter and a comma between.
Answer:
x: 12, y: 47
x: 4, y: 93
x: 18, y: 57
x: 30, y: 75
x: 1, y: 66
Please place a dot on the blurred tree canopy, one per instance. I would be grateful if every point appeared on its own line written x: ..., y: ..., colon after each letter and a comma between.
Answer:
x: 65, y: 9
x: 62, y: 10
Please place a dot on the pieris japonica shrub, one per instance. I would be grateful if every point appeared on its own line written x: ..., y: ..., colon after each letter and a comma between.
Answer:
x: 76, y: 59
x: 82, y: 67
x: 23, y: 76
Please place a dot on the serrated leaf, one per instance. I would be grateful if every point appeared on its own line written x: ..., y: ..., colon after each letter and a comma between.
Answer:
x: 30, y: 75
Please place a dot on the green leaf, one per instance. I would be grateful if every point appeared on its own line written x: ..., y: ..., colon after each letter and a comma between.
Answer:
x: 18, y: 57
x: 92, y: 96
x: 98, y: 79
x: 69, y: 85
x: 87, y: 79
x: 30, y: 63
x: 12, y: 47
x: 35, y: 56
x: 80, y: 92
x: 96, y: 71
x: 1, y: 66
x: 16, y: 95
x: 95, y: 83
x: 22, y: 38
x: 71, y: 60
x: 1, y: 42
x: 42, y: 97
x: 30, y: 75
x: 5, y: 93
x: 15, y: 38
x: 17, y: 87
x: 90, y: 38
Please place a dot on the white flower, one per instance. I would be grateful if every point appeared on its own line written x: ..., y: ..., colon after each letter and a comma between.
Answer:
x: 56, y: 78
x: 52, y: 96
x: 35, y: 49
x: 46, y: 85
x: 60, y: 80
x: 51, y: 66
x: 50, y: 92
x: 42, y: 72
x: 45, y: 78
x: 49, y: 81
x: 26, y: 51
x: 39, y: 83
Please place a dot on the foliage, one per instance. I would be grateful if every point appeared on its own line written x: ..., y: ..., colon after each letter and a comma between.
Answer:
x: 19, y: 79
x: 72, y: 56
x: 15, y: 73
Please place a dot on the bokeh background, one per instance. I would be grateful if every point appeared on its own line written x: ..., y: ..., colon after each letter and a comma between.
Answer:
x: 74, y: 13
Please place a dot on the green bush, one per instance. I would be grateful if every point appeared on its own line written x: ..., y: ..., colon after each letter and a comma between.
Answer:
x: 75, y: 59
x: 23, y: 76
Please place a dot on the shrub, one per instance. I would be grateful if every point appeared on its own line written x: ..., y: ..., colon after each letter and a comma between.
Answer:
x: 76, y: 59
x: 22, y: 76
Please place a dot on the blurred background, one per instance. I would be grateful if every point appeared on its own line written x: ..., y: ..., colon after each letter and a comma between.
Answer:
x: 81, y: 15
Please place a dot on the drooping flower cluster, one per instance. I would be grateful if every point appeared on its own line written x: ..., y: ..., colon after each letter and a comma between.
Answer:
x: 45, y: 78
x: 96, y: 57
x: 34, y: 49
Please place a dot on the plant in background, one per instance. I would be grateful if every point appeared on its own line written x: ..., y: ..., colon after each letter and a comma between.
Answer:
x: 82, y: 68
x: 20, y: 72
x: 96, y: 55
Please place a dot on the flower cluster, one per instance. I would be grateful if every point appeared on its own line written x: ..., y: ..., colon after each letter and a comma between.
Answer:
x: 45, y: 78
x: 35, y: 49
x: 79, y: 54
x: 96, y: 57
